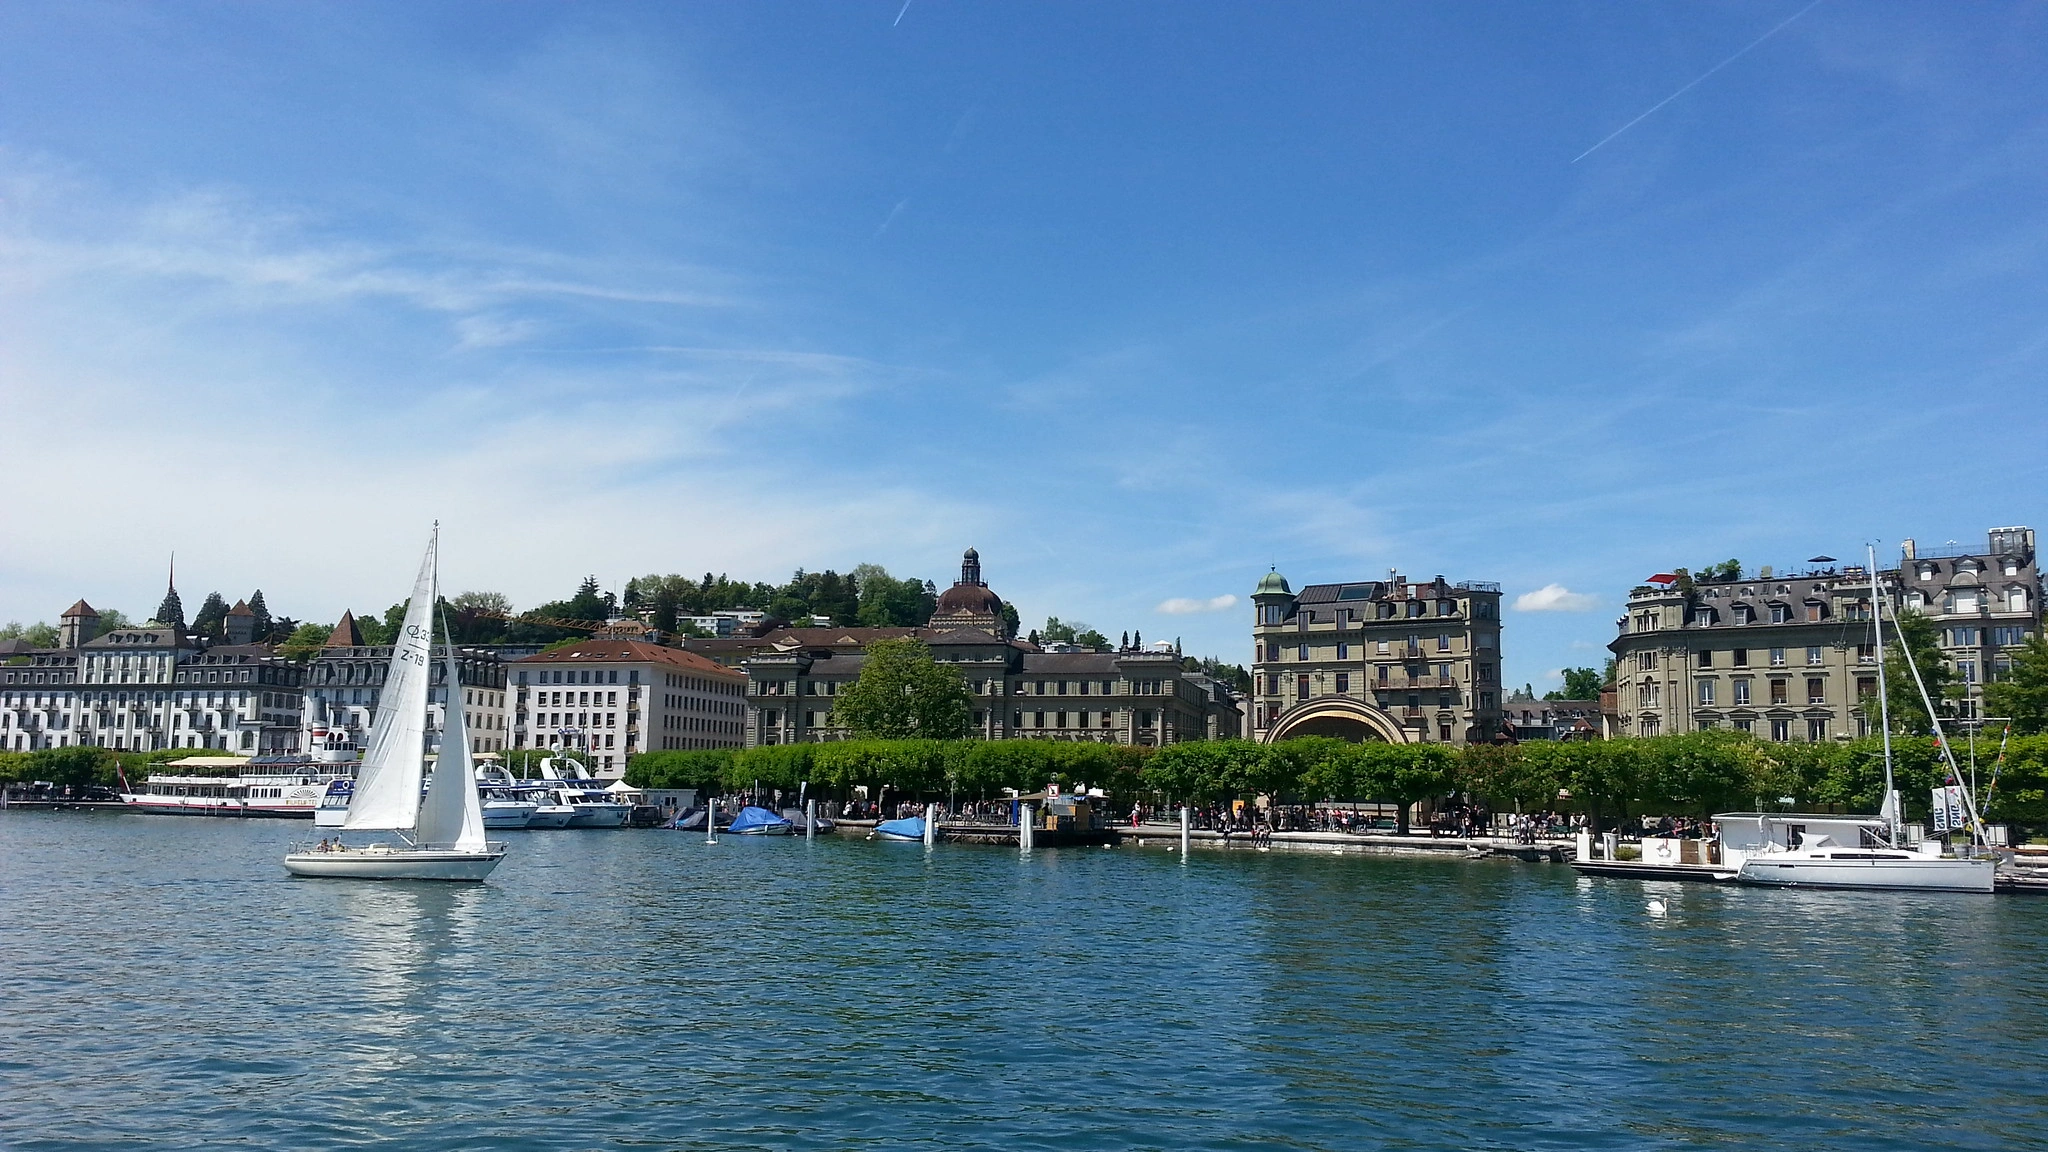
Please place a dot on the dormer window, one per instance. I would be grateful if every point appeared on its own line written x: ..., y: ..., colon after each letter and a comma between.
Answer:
x: 1926, y: 571
x: 1780, y: 614
x: 1744, y: 614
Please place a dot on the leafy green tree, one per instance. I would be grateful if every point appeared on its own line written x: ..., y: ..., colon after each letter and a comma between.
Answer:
x: 39, y: 634
x: 902, y: 692
x: 112, y: 618
x: 2022, y: 694
x: 1579, y: 684
x: 305, y: 642
x: 1011, y: 621
x: 1916, y: 634
x: 211, y: 619
x: 886, y: 602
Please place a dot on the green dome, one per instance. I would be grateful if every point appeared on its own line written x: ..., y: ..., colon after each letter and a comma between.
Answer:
x: 1273, y: 584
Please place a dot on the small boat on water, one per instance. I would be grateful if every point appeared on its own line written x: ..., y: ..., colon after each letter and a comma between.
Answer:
x: 796, y: 816
x: 439, y: 833
x: 908, y: 828
x: 752, y: 821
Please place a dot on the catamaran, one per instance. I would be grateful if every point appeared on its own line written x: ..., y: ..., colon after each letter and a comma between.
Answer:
x: 440, y: 836
x: 1806, y: 856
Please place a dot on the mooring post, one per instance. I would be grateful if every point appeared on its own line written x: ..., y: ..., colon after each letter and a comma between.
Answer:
x: 710, y: 819
x: 1185, y: 836
x: 810, y: 819
x: 1585, y: 844
x: 931, y: 825
x: 1026, y: 817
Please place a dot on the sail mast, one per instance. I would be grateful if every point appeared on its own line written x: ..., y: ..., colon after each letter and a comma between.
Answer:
x: 1884, y: 712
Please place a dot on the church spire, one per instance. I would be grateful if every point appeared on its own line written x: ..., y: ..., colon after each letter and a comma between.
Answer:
x: 171, y: 613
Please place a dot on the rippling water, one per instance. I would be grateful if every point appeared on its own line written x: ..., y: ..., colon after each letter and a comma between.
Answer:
x: 167, y: 985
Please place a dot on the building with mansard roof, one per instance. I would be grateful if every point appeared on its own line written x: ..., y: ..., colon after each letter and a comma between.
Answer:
x: 1141, y: 697
x: 613, y: 698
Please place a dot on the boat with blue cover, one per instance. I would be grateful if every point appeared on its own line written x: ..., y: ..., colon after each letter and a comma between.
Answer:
x: 753, y: 821
x: 908, y: 828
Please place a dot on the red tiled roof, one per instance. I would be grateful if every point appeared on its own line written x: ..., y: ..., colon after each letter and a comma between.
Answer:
x: 79, y: 609
x: 345, y: 634
x: 630, y: 651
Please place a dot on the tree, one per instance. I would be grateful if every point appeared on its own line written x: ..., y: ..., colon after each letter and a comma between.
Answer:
x: 261, y: 612
x: 1915, y: 634
x: 903, y: 693
x: 886, y: 602
x: 305, y: 641
x: 211, y: 619
x: 40, y: 635
x: 112, y: 618
x: 494, y: 602
x: 2023, y: 694
x: 1056, y: 629
x: 1011, y: 621
x: 1579, y: 684
x: 1090, y: 638
x: 171, y: 613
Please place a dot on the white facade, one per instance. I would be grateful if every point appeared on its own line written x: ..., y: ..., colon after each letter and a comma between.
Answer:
x: 614, y: 698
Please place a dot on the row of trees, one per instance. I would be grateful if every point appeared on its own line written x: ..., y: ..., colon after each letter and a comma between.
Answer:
x: 1695, y: 773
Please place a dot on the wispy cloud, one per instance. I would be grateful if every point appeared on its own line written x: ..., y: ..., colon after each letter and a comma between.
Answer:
x: 1556, y: 598
x: 1189, y: 606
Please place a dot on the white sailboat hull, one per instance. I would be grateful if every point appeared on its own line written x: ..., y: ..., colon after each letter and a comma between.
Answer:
x: 382, y: 863
x: 1933, y: 873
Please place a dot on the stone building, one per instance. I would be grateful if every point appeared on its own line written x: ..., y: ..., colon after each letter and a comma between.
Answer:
x: 343, y: 680
x: 1792, y: 655
x: 1018, y: 692
x: 1377, y: 660
x: 613, y: 698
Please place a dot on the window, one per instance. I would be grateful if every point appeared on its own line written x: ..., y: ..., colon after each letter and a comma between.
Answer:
x: 1745, y: 725
x: 1739, y: 658
x: 1866, y: 686
x: 1816, y: 690
x: 1343, y: 682
x: 1777, y: 657
x: 1704, y: 658
x: 1272, y: 649
x: 1706, y: 692
x: 1382, y: 648
x: 1272, y: 684
x: 1781, y: 691
x: 1742, y: 690
x: 1816, y: 730
x: 1301, y: 686
x: 1383, y: 672
x: 1443, y: 642
x: 2015, y: 599
x: 1744, y: 614
x: 1343, y: 651
x: 1966, y: 670
x: 1781, y: 730
x: 1304, y: 652
x: 1813, y: 656
x: 1780, y: 614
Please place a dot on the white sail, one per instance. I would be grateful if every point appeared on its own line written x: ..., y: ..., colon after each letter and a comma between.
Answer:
x: 388, y: 784
x: 451, y: 816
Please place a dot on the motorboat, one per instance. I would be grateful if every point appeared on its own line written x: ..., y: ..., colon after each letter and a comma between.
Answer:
x: 592, y: 807
x: 908, y: 828
x: 1821, y: 863
x: 439, y: 831
x: 333, y: 807
x: 752, y: 821
x: 548, y: 812
x: 796, y: 816
x: 506, y: 808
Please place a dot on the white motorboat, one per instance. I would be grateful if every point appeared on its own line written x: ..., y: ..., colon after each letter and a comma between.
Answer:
x: 548, y: 812
x: 333, y: 808
x: 506, y: 808
x: 441, y: 833
x: 593, y: 808
x: 1792, y: 851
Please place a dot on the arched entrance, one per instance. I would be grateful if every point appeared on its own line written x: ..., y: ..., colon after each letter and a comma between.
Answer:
x: 1340, y: 717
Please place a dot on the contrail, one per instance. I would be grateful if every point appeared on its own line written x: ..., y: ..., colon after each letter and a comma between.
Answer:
x: 906, y: 8
x: 1689, y: 87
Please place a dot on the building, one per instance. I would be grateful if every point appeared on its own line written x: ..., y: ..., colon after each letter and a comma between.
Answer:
x: 1984, y: 603
x: 614, y: 698
x: 1377, y: 660
x: 39, y: 695
x: 1018, y: 691
x: 1525, y: 718
x: 1792, y: 655
x: 342, y: 682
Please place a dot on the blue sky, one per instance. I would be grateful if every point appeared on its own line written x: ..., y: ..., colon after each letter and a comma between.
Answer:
x: 1138, y: 299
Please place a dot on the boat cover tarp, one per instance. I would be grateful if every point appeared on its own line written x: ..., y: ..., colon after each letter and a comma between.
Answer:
x: 690, y: 821
x: 796, y: 816
x: 752, y: 820
x: 909, y: 828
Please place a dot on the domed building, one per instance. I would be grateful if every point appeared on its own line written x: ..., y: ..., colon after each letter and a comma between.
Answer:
x: 969, y: 603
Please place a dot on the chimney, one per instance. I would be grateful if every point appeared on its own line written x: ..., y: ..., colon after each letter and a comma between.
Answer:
x: 1906, y: 549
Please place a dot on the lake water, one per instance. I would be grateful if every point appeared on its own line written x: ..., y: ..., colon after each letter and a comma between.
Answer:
x: 168, y: 986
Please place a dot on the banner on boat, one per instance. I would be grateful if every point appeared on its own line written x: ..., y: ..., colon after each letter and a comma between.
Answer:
x: 1947, y: 809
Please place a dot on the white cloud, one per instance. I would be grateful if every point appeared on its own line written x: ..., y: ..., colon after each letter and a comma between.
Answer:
x: 1556, y: 598
x: 1188, y: 606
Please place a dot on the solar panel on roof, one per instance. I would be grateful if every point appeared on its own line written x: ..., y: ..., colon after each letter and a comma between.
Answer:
x: 1355, y: 592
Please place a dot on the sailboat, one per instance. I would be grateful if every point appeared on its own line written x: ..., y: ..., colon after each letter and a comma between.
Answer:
x: 1878, y: 859
x: 439, y: 836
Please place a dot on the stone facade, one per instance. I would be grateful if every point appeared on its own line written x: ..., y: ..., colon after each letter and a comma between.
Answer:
x: 1792, y: 655
x: 1377, y: 660
x: 343, y: 681
x: 613, y: 698
x: 1018, y: 692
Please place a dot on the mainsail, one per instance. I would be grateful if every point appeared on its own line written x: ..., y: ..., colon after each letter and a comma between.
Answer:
x: 388, y: 784
x: 451, y: 816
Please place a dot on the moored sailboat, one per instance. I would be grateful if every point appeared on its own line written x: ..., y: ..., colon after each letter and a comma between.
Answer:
x: 440, y: 836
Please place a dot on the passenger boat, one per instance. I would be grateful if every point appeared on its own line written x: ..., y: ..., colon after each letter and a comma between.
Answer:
x: 292, y: 792
x: 439, y: 833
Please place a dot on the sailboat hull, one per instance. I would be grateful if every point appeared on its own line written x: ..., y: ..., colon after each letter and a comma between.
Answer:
x: 1932, y: 874
x: 380, y: 863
